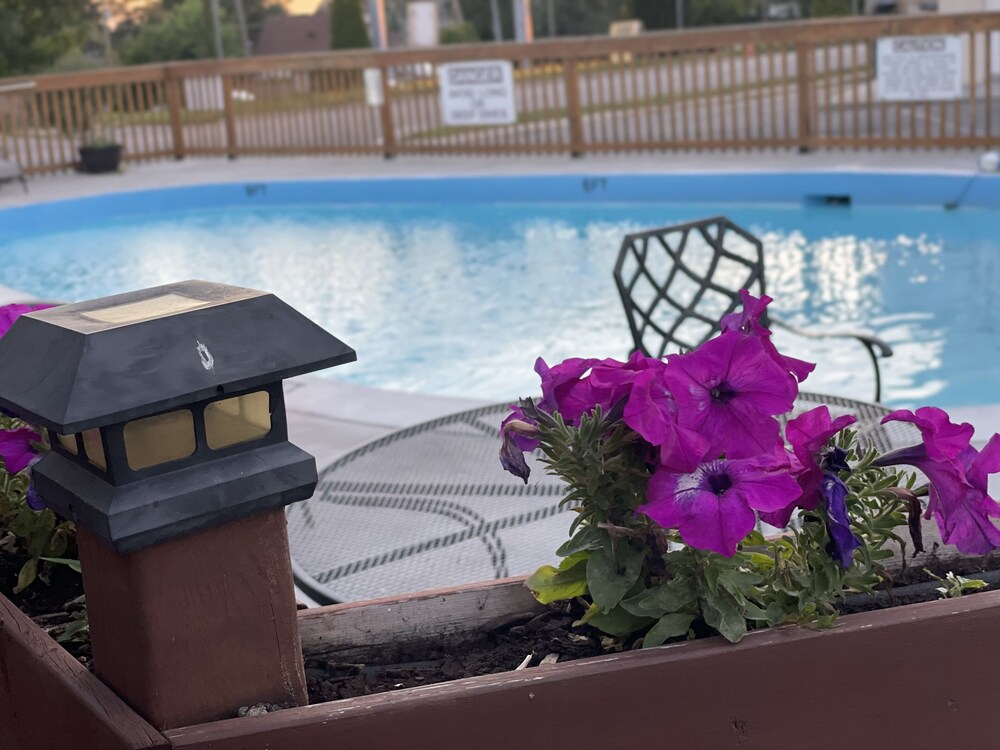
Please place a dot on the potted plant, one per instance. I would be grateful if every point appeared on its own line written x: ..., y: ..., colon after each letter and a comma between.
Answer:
x: 908, y: 676
x: 99, y: 152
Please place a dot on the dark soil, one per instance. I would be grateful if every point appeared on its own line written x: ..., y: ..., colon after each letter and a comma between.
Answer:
x: 50, y: 604
x: 549, y: 635
x: 501, y: 648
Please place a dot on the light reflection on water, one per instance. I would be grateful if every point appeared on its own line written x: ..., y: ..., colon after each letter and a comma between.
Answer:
x: 460, y: 300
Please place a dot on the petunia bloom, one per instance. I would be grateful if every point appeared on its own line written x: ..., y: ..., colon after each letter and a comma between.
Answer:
x: 517, y: 436
x: 713, y: 506
x: 652, y: 412
x: 729, y: 390
x: 577, y: 386
x: 17, y: 449
x: 748, y: 322
x: 958, y: 475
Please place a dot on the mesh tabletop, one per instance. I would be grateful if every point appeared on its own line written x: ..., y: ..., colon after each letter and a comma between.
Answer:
x: 429, y: 506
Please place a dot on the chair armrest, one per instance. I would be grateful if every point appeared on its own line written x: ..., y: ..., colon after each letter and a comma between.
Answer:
x: 875, y: 346
x: 874, y: 343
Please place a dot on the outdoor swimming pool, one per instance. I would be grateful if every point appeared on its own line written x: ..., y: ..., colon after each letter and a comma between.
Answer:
x: 461, y: 298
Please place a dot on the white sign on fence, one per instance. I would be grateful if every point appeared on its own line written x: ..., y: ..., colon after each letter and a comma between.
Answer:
x: 374, y: 95
x: 919, y: 68
x: 477, y: 93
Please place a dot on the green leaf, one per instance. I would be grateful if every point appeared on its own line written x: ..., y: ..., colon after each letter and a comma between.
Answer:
x: 68, y: 562
x: 618, y: 622
x: 668, y: 626
x: 611, y: 574
x: 569, y: 580
x: 722, y: 614
x: 588, y: 538
x: 672, y: 596
x: 27, y: 575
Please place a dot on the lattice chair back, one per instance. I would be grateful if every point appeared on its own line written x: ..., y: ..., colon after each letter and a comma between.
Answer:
x: 677, y: 282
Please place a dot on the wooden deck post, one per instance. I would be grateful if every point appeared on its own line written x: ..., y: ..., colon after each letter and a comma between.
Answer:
x: 388, y: 127
x: 230, y: 114
x: 190, y: 630
x: 805, y: 87
x: 573, y: 108
x: 174, y: 107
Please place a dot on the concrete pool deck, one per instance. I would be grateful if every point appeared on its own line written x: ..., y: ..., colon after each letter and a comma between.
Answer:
x: 328, y: 417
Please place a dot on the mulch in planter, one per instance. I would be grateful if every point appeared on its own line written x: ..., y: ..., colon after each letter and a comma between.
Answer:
x: 50, y: 605
x: 503, y: 647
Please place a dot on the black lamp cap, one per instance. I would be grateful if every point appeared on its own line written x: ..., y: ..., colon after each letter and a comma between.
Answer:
x: 90, y: 364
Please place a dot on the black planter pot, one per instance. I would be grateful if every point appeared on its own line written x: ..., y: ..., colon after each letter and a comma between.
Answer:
x: 100, y: 159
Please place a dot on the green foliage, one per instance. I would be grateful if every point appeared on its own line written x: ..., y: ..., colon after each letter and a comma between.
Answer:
x: 822, y: 8
x: 459, y: 33
x: 23, y: 531
x: 636, y: 576
x: 955, y: 586
x: 179, y: 31
x: 347, y: 26
x: 35, y: 33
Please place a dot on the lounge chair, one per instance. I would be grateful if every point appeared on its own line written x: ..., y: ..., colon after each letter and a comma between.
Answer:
x: 9, y: 172
x: 677, y: 282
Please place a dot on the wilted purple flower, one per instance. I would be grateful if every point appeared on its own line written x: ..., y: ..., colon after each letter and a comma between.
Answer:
x: 33, y: 499
x: 958, y: 476
x: 517, y: 432
x: 17, y: 449
x: 843, y: 541
x: 729, y: 390
x: 748, y: 322
x: 713, y: 506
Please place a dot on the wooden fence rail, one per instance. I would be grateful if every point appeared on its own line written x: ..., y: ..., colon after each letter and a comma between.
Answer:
x: 806, y: 85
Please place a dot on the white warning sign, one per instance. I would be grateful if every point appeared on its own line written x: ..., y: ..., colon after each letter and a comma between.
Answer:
x: 919, y: 68
x: 477, y: 93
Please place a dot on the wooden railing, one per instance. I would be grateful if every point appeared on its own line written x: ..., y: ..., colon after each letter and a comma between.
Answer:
x: 807, y: 85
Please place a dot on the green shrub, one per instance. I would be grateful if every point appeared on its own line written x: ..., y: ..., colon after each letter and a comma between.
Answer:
x: 459, y: 33
x: 347, y: 26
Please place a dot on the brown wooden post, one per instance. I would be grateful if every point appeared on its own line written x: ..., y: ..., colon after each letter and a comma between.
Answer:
x: 388, y: 127
x: 230, y: 113
x: 574, y: 110
x: 190, y: 630
x: 805, y: 78
x: 174, y: 106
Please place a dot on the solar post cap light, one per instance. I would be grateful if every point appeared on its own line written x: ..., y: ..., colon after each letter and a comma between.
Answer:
x: 164, y: 406
x: 170, y: 450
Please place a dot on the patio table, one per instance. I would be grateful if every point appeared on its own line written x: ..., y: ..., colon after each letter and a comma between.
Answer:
x: 429, y: 506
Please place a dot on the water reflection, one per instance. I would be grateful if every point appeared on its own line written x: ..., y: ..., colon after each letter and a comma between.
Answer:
x: 462, y: 300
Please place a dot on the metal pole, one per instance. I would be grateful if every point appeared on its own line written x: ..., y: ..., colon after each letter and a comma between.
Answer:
x: 241, y: 21
x: 106, y: 31
x: 524, y: 30
x: 495, y: 19
x: 551, y: 8
x: 217, y: 27
x: 376, y: 12
x: 679, y: 11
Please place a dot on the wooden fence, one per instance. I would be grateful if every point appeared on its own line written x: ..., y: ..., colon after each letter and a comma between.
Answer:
x: 806, y: 85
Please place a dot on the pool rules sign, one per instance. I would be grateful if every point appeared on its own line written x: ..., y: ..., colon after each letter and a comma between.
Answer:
x: 477, y: 93
x: 919, y: 68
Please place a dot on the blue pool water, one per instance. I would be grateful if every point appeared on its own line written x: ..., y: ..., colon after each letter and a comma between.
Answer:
x: 461, y: 299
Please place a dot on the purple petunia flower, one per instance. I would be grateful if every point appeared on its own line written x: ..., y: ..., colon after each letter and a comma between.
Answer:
x: 843, y: 541
x: 516, y: 433
x: 958, y: 476
x: 17, y: 449
x: 729, y: 390
x: 10, y: 313
x: 33, y: 499
x: 652, y: 412
x: 748, y: 322
x: 713, y: 506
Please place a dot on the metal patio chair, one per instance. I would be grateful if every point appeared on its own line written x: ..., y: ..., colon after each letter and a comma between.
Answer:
x: 677, y: 282
x: 10, y: 172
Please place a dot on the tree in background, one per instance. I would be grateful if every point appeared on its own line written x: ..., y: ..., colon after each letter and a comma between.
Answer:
x: 459, y: 33
x: 821, y: 8
x: 176, y: 30
x: 35, y: 33
x: 347, y: 26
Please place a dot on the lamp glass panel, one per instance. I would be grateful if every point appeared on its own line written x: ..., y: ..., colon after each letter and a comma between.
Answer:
x: 152, y: 441
x: 68, y: 442
x: 94, y: 448
x: 237, y: 420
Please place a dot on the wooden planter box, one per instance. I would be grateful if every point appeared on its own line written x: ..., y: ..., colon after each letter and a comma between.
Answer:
x: 915, y: 676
